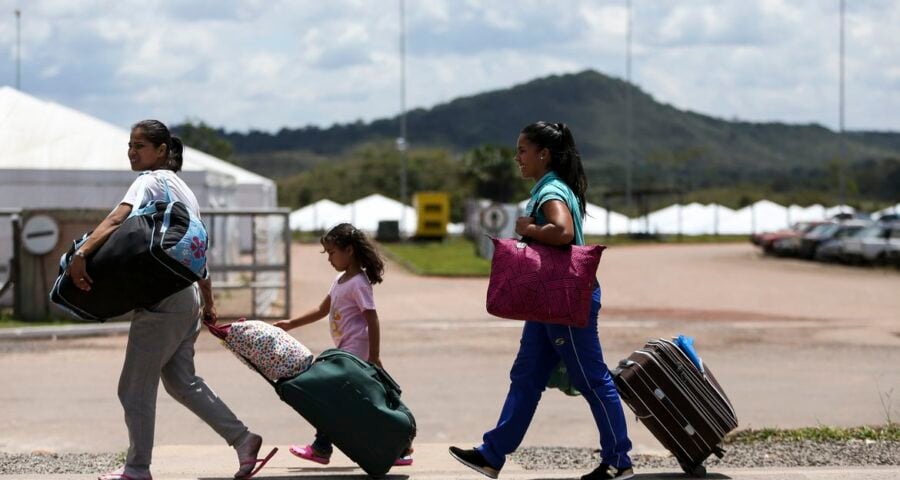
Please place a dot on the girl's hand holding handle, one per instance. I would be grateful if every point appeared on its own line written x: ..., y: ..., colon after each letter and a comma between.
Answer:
x: 284, y: 324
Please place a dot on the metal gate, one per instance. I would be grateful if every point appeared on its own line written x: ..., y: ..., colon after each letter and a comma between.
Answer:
x: 249, y: 260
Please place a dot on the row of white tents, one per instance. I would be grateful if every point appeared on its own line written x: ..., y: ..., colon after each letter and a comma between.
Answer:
x: 365, y: 214
x: 762, y: 216
x: 690, y: 219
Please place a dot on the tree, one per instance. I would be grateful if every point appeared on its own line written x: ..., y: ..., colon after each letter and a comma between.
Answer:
x: 204, y: 138
x: 491, y: 173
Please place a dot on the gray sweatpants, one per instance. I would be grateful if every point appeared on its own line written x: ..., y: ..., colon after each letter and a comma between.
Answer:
x: 161, y: 345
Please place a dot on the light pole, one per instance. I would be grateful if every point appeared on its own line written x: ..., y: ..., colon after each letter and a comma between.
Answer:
x: 401, y: 141
x: 628, y: 113
x: 842, y: 139
x: 18, y: 49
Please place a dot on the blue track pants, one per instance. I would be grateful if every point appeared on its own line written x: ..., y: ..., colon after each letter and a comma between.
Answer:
x: 542, y: 346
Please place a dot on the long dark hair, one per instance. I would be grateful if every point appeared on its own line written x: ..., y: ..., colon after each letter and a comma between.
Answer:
x: 564, y: 157
x: 346, y: 235
x: 158, y: 134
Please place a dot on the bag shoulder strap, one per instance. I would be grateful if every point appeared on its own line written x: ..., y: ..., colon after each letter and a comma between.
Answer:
x: 534, y: 210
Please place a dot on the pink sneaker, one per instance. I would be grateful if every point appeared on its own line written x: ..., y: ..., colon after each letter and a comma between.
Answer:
x: 403, y: 461
x: 308, y: 453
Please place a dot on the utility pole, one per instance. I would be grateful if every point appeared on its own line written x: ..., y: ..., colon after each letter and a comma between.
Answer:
x: 628, y: 113
x: 401, y: 141
x: 18, y: 49
x: 842, y: 139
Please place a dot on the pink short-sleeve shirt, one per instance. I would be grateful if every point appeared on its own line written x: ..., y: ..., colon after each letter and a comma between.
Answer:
x: 349, y: 300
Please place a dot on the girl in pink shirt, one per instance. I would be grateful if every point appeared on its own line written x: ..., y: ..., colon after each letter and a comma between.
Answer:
x: 350, y: 307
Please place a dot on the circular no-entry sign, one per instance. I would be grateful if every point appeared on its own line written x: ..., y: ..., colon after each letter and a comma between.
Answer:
x: 40, y: 235
x: 494, y: 218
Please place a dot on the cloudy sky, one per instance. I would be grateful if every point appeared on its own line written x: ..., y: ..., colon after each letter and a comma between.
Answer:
x: 267, y: 64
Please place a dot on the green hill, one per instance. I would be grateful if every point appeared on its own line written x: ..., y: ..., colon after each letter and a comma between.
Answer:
x: 594, y: 105
x: 670, y: 147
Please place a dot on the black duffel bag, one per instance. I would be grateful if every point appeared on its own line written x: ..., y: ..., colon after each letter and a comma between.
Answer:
x: 159, y: 250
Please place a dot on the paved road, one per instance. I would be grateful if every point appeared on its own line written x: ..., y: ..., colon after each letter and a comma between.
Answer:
x: 793, y: 344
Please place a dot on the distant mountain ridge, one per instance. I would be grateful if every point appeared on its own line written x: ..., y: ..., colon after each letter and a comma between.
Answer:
x: 698, y: 149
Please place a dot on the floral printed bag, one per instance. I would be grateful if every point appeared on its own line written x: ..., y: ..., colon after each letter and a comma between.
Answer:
x: 265, y: 348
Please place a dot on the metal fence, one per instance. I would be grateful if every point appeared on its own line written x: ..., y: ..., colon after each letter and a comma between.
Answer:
x: 263, y: 269
x: 252, y: 282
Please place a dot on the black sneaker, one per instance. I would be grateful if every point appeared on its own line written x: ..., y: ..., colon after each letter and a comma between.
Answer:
x: 608, y: 472
x: 473, y: 459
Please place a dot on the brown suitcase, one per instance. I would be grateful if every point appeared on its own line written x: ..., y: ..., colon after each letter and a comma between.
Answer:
x: 682, y: 406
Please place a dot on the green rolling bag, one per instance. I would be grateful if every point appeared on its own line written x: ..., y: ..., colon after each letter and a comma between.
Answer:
x: 357, y: 405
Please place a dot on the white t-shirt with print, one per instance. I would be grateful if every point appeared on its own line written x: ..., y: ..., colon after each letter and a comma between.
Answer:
x: 149, y: 186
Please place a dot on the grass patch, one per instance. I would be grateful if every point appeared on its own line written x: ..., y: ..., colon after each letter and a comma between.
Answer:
x: 889, y: 432
x: 453, y: 257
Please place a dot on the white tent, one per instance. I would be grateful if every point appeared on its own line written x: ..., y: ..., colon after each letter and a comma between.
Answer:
x: 366, y: 212
x: 56, y: 157
x: 762, y: 216
x: 595, y: 223
x: 812, y: 213
x: 691, y: 219
x: 320, y: 215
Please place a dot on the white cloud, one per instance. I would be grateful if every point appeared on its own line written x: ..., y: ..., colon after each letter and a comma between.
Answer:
x: 269, y: 64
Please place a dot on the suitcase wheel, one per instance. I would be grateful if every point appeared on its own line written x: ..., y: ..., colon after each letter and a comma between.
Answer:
x: 719, y: 451
x: 697, y: 471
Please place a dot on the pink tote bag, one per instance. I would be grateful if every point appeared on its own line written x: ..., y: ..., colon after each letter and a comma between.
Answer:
x: 542, y: 283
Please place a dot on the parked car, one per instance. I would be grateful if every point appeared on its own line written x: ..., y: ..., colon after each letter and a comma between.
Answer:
x: 787, y: 246
x: 767, y: 240
x: 833, y: 249
x: 810, y: 242
x: 879, y: 243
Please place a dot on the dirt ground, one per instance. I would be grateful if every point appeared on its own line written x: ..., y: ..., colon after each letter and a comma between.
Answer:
x: 792, y: 343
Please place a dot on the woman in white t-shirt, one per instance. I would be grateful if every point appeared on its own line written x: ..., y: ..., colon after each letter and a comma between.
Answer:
x: 161, y: 338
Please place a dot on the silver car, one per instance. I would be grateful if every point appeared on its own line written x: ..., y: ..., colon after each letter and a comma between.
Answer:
x: 833, y: 248
x: 875, y: 244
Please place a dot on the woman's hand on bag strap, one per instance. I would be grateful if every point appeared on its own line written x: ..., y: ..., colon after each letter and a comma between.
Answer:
x: 209, y: 315
x: 559, y: 229
x: 523, y: 224
x: 77, y: 271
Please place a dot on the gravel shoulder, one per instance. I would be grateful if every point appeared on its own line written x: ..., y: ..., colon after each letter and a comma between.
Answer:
x: 853, y: 453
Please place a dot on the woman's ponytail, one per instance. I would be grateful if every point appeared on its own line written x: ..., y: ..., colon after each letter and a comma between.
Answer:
x: 176, y: 150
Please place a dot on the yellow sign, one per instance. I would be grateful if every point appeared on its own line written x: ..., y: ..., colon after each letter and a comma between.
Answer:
x: 433, y: 212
